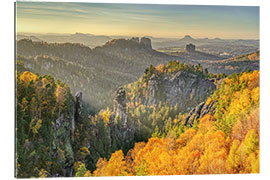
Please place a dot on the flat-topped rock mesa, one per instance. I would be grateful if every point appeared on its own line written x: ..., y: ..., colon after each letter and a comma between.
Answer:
x: 133, y: 43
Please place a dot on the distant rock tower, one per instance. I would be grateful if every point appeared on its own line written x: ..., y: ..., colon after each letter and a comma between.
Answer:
x: 146, y: 43
x: 190, y: 48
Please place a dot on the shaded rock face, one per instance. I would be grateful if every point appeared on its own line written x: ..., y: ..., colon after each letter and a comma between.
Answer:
x: 153, y: 89
x: 121, y: 128
x: 63, y: 132
x: 119, y: 105
x: 78, y: 107
x: 62, y: 143
x: 190, y: 48
x: 183, y: 88
x: 199, y: 111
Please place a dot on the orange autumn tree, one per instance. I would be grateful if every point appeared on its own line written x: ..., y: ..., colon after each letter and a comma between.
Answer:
x: 27, y: 77
x: 116, y: 166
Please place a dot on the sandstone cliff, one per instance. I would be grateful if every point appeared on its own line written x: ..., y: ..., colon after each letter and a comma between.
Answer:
x: 182, y: 88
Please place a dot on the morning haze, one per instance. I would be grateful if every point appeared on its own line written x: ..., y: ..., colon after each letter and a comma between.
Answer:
x: 170, y: 21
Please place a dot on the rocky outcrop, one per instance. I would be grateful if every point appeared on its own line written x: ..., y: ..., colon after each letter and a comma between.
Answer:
x: 135, y: 39
x: 119, y: 105
x: 146, y: 43
x: 63, y: 132
x: 118, y: 122
x: 199, y: 111
x: 78, y: 107
x: 183, y: 88
x: 133, y: 43
x: 190, y: 48
x: 62, y: 150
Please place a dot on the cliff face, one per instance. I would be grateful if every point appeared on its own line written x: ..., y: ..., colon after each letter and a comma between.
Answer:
x: 63, y: 135
x: 120, y: 127
x: 119, y: 105
x: 199, y: 111
x: 61, y: 144
x: 183, y: 88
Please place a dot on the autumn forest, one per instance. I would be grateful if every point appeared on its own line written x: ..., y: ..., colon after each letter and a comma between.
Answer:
x: 136, y: 105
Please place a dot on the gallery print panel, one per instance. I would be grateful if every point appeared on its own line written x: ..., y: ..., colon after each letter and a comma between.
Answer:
x: 136, y: 89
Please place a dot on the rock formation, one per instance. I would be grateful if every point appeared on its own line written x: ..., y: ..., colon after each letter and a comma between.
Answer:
x: 78, y: 106
x: 146, y: 43
x: 62, y: 142
x: 63, y: 132
x: 118, y: 122
x: 119, y: 105
x: 184, y: 88
x: 135, y: 39
x: 199, y: 111
x: 190, y: 48
x: 133, y: 43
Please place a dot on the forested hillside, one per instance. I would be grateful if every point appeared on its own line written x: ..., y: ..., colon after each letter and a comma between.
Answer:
x: 190, y: 120
x: 225, y: 142
x: 41, y: 104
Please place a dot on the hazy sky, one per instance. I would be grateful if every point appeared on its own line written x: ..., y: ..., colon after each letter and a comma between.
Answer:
x: 139, y: 20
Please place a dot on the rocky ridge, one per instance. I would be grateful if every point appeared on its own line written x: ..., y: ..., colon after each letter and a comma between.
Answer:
x: 183, y: 88
x: 133, y: 43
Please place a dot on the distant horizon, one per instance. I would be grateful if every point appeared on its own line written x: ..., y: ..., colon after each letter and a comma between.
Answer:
x: 87, y: 33
x: 165, y: 21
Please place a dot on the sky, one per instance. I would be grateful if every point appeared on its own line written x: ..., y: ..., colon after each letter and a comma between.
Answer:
x: 171, y: 21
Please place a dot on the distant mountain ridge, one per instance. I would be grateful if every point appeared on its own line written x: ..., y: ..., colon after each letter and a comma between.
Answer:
x: 33, y: 38
x: 92, y: 40
x: 81, y: 38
